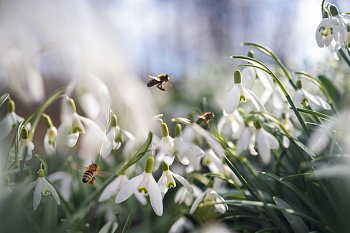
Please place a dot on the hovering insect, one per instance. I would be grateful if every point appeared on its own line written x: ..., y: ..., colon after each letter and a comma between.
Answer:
x: 159, y: 80
x: 91, y: 171
x: 205, y: 118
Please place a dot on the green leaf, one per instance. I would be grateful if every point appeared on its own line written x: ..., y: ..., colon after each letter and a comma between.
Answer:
x: 330, y: 88
x: 129, y: 220
x: 109, y: 227
x: 297, y: 224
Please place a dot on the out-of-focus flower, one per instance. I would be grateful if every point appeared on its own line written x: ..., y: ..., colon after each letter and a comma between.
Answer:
x: 303, y: 98
x: 233, y: 122
x: 18, y: 58
x: 66, y: 183
x: 115, y: 137
x: 181, y: 225
x: 265, y: 143
x: 50, y: 136
x: 188, y: 153
x: 165, y: 147
x: 10, y: 121
x: 213, y: 227
x: 43, y: 187
x: 238, y: 94
x: 143, y: 183
x: 183, y: 196
x: 25, y: 147
x: 247, y: 140
x: 167, y: 181
x: 210, y: 196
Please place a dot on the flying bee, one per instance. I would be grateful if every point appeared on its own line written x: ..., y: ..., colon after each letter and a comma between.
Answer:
x: 205, y: 118
x: 159, y: 80
x: 91, y: 171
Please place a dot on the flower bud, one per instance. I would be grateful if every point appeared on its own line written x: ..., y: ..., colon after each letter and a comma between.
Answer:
x: 149, y: 164
x: 47, y: 120
x: 178, y: 130
x: 164, y: 130
x: 11, y: 105
x: 24, y: 133
x: 237, y: 76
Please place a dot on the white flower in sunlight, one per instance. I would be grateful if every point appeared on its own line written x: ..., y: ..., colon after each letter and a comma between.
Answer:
x: 69, y: 131
x: 167, y: 181
x: 10, y: 121
x: 183, y: 196
x: 188, y: 153
x: 303, y: 98
x: 114, y: 187
x: 165, y: 147
x: 143, y: 183
x: 115, y: 138
x: 181, y: 225
x: 330, y: 29
x: 247, y: 141
x: 43, y: 188
x: 238, y: 94
x: 212, y: 197
x: 50, y: 140
x: 335, y: 128
x: 232, y: 123
x: 25, y: 147
x: 265, y: 143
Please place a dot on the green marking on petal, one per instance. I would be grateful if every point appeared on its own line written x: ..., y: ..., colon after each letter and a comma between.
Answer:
x: 171, y: 185
x: 143, y: 190
x: 46, y: 192
x: 242, y: 98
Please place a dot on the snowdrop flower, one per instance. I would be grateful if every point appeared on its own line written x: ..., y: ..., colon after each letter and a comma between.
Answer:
x: 265, y: 142
x: 165, y: 147
x: 234, y: 122
x: 181, y: 225
x: 114, y: 187
x: 238, y: 94
x: 115, y: 137
x: 247, y: 140
x: 66, y: 183
x: 50, y: 136
x: 143, y: 183
x: 71, y: 128
x: 347, y: 38
x: 10, y: 121
x: 43, y: 187
x: 183, y: 196
x: 25, y: 147
x: 213, y: 227
x: 167, y: 181
x: 330, y: 29
x: 303, y: 98
x: 210, y: 196
x: 188, y: 153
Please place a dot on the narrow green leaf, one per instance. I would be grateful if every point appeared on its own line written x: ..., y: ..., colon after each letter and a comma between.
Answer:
x: 317, y: 114
x: 297, y: 224
x: 129, y: 220
x: 109, y: 227
x: 330, y: 88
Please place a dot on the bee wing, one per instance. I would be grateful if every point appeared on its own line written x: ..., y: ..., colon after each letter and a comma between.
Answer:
x: 105, y: 173
x: 153, y: 77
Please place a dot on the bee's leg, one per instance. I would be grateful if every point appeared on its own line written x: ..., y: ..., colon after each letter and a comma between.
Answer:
x: 160, y: 87
x: 93, y: 180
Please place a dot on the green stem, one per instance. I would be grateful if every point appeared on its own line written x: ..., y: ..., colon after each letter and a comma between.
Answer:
x: 274, y: 57
x: 346, y: 59
x: 264, y: 68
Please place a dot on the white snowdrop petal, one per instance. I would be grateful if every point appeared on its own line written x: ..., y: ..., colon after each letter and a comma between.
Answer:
x: 196, y: 203
x: 232, y: 100
x: 263, y: 147
x: 110, y: 190
x: 72, y: 139
x: 90, y: 105
x: 248, y: 77
x: 162, y: 184
x: 255, y: 100
x: 39, y: 186
x: 184, y: 182
x: 243, y: 142
x: 129, y: 188
x: 53, y: 192
x: 140, y: 197
x: 272, y: 141
x: 155, y: 196
x: 320, y: 138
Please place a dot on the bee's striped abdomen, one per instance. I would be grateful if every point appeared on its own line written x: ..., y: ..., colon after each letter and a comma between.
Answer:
x: 152, y: 82
x: 88, y: 177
